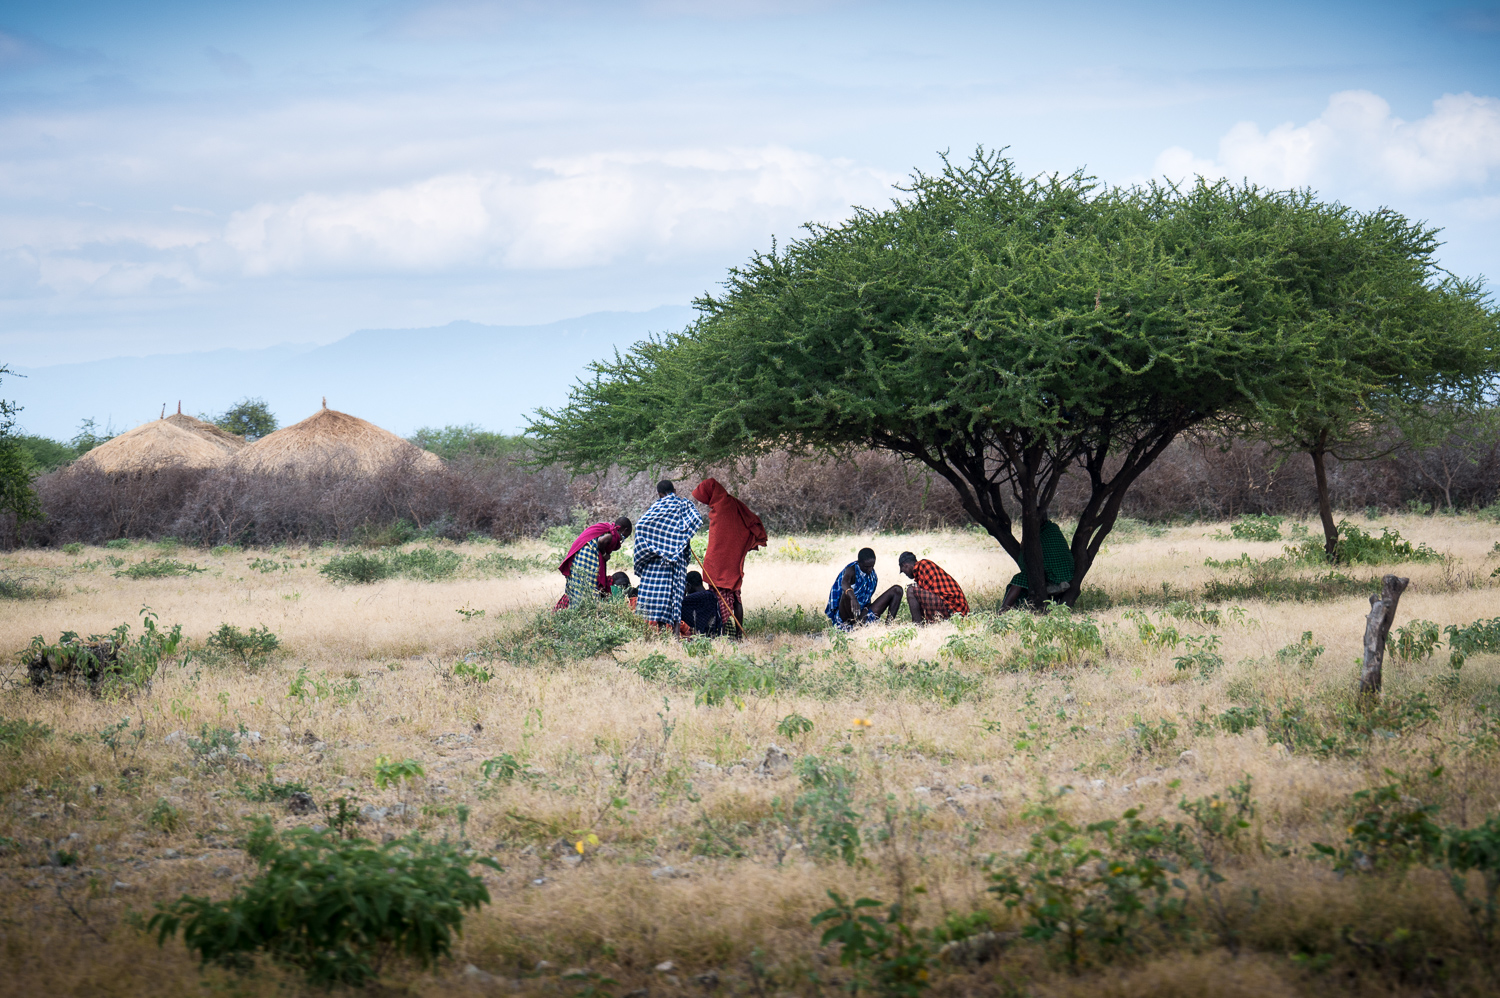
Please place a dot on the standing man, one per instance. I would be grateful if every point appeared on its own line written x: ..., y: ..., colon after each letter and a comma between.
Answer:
x: 662, y: 553
x: 852, y: 600
x: 934, y: 594
x: 733, y: 532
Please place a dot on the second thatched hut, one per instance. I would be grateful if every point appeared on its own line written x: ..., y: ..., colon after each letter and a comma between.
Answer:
x: 176, y: 441
x: 332, y: 440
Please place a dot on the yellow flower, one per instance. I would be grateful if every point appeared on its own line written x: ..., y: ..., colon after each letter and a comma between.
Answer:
x: 579, y: 846
x: 860, y: 722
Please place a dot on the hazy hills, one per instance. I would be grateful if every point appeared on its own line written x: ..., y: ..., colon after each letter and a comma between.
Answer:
x: 400, y: 379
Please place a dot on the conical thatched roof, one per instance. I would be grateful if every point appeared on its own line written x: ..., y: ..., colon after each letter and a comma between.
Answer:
x: 163, y: 442
x: 207, y: 431
x: 332, y: 439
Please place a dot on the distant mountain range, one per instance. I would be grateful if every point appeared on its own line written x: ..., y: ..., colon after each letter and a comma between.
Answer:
x: 400, y: 379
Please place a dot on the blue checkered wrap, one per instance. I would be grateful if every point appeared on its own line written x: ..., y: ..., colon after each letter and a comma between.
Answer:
x: 662, y: 554
x: 864, y: 592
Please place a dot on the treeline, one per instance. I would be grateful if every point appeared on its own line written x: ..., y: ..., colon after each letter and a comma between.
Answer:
x: 488, y: 487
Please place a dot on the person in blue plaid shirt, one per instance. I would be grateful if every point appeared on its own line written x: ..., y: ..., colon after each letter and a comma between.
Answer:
x: 662, y: 535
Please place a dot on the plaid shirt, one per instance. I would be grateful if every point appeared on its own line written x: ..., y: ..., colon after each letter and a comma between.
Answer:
x: 934, y: 579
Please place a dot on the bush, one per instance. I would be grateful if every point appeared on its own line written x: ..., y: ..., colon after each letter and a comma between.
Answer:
x: 1256, y: 527
x: 1480, y: 636
x: 821, y: 819
x: 356, y: 568
x: 1357, y: 547
x: 568, y: 635
x: 426, y: 564
x: 21, y: 733
x: 335, y: 909
x: 157, y: 568
x: 105, y: 662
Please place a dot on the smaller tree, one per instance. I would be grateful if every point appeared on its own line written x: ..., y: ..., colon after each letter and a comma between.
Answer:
x: 88, y: 437
x: 250, y: 418
x: 17, y: 470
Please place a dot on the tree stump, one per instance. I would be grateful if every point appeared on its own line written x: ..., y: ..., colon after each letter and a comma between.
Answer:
x: 1377, y: 627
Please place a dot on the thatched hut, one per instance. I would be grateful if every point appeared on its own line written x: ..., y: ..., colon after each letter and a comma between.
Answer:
x: 174, y: 441
x: 332, y: 439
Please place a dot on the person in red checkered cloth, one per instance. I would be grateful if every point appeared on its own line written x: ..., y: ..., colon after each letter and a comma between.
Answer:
x: 934, y: 595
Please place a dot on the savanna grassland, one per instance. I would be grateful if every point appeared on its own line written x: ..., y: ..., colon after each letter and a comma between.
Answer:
x: 671, y: 816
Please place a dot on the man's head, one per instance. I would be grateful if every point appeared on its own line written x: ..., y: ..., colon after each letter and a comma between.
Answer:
x: 665, y: 488
x: 694, y: 583
x: 625, y: 526
x: 908, y: 564
x: 866, y: 559
x: 619, y: 581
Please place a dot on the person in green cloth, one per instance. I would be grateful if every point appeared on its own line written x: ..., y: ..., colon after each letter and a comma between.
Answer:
x: 1057, y: 559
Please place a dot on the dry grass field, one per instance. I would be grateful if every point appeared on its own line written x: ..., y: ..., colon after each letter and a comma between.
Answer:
x: 647, y: 819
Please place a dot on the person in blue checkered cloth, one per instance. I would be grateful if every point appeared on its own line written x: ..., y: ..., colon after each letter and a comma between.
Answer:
x: 662, y: 535
x: 852, y: 600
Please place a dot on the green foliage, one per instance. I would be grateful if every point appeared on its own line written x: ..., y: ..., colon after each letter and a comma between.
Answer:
x: 388, y: 771
x: 336, y: 909
x: 1256, y: 527
x: 425, y: 564
x: 779, y: 619
x: 252, y: 647
x: 1303, y: 652
x: 1058, y: 637
x: 999, y: 315
x: 357, y: 568
x: 112, y: 662
x: 1097, y: 893
x: 472, y: 672
x: 884, y: 952
x: 503, y: 768
x: 306, y: 688
x: 468, y: 442
x: 728, y: 678
x: 1416, y: 640
x: 821, y: 818
x: 1477, y: 850
x: 582, y: 632
x: 502, y: 565
x: 1357, y: 547
x: 213, y: 745
x: 89, y: 436
x: 72, y: 549
x: 1480, y: 636
x: 157, y: 568
x: 21, y: 733
x: 793, y: 725
x: 17, y: 467
x: 250, y: 418
x: 1202, y: 655
x: 1153, y: 739
x: 45, y: 454
x: 164, y: 816
x: 270, y: 791
x: 1389, y: 830
x: 1220, y: 824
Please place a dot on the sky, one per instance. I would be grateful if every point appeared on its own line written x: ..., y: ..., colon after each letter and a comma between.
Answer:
x: 193, y: 176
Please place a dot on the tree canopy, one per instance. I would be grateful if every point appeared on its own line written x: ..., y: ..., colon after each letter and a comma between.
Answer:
x: 250, y: 418
x: 996, y: 328
x: 17, y: 470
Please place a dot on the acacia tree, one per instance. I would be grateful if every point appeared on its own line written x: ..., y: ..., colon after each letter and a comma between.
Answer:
x: 1401, y: 353
x: 17, y: 469
x: 995, y: 328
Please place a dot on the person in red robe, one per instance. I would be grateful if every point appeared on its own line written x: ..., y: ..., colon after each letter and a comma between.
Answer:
x: 733, y: 532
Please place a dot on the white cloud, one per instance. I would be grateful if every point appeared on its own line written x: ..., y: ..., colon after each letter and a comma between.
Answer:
x: 567, y: 212
x: 1357, y: 143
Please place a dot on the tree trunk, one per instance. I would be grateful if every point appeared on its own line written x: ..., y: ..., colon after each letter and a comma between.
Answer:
x: 1325, y: 507
x: 1377, y: 627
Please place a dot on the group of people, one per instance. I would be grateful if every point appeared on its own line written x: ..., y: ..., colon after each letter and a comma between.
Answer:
x: 671, y: 597
x: 668, y: 595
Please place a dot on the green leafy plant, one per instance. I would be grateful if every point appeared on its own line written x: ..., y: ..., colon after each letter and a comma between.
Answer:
x: 884, y: 952
x: 252, y: 647
x: 356, y: 568
x: 1256, y: 527
x: 157, y: 568
x: 214, y: 745
x: 821, y: 818
x: 425, y: 564
x: 1389, y: 830
x: 388, y: 772
x: 1058, y: 637
x: 109, y: 663
x: 164, y: 816
x: 1480, y: 636
x: 1416, y: 640
x: 793, y: 725
x: 568, y: 635
x: 1099, y: 892
x: 1303, y: 653
x: 20, y: 733
x: 339, y: 910
x: 503, y: 768
x: 1202, y: 655
x: 472, y: 672
x: 1154, y: 738
x: 118, y: 736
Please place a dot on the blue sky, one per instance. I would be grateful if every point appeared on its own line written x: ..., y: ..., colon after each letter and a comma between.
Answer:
x: 188, y: 176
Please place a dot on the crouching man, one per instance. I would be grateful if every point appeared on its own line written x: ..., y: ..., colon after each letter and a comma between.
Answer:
x: 934, y: 594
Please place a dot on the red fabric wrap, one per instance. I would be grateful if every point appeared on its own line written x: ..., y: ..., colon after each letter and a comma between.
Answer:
x: 733, y: 532
x: 593, y: 533
x: 934, y: 579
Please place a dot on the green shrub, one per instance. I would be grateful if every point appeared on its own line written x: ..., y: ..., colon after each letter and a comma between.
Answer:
x: 214, y: 745
x: 883, y: 952
x: 268, y: 791
x: 21, y: 733
x: 1097, y: 893
x: 356, y: 568
x: 106, y: 662
x: 119, y: 544
x: 425, y: 564
x: 1480, y: 636
x: 73, y: 548
x: 252, y: 647
x: 780, y: 619
x: 821, y: 818
x: 596, y: 628
x: 336, y: 909
x: 1058, y: 637
x: 24, y: 588
x: 164, y: 816
x: 502, y: 565
x: 793, y: 725
x: 157, y: 568
x: 1256, y: 527
x: 1357, y: 547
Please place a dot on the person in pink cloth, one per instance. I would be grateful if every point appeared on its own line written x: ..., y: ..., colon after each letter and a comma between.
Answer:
x: 587, y: 565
